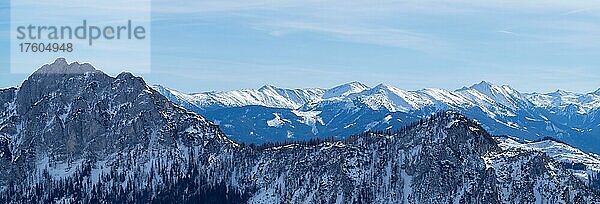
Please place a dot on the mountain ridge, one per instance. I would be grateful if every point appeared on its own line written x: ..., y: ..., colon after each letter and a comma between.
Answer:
x: 484, y: 88
x: 93, y: 138
x: 501, y: 109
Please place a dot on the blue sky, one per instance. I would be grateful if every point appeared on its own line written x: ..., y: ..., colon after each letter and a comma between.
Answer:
x: 208, y: 45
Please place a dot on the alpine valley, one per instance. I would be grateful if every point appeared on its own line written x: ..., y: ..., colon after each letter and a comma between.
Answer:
x: 72, y: 134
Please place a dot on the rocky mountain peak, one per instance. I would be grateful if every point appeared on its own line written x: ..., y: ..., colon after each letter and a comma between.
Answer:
x: 461, y: 131
x: 67, y: 111
x: 267, y: 87
x: 560, y: 92
x: 345, y: 90
x: 61, y: 66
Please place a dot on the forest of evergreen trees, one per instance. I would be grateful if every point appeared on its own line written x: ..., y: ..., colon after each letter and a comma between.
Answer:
x: 176, y: 186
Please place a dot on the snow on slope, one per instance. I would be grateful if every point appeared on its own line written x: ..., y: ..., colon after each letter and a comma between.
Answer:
x: 583, y: 103
x: 446, y: 97
x: 277, y: 121
x: 391, y: 98
x: 487, y: 94
x: 501, y: 109
x: 494, y: 99
x: 558, y: 151
x: 268, y: 96
x: 491, y: 98
x: 310, y: 118
x: 345, y: 90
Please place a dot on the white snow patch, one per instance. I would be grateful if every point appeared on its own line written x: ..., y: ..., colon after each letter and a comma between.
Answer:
x: 387, y: 118
x: 310, y: 118
x: 277, y: 121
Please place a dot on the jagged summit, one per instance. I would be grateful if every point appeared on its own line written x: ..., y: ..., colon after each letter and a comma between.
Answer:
x: 345, y: 90
x: 560, y: 92
x: 482, y: 85
x: 357, y: 84
x: 61, y: 72
x: 384, y: 86
x: 486, y: 94
x: 490, y: 89
x: 267, y: 87
x: 73, y: 107
x: 61, y: 66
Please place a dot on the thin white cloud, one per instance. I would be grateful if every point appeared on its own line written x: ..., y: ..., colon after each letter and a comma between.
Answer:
x: 576, y: 11
x: 382, y: 36
x: 507, y: 32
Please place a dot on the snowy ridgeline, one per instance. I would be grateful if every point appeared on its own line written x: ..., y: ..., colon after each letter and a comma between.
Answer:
x: 385, y: 96
x: 271, y: 114
x: 92, y: 138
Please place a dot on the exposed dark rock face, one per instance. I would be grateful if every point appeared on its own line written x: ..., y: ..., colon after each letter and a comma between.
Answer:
x: 71, y: 134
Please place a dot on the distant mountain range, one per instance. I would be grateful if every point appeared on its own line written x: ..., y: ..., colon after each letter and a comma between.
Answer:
x: 72, y: 134
x: 272, y: 114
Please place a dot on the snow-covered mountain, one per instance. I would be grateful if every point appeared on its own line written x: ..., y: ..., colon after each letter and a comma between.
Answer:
x: 493, y: 95
x: 561, y: 100
x: 352, y: 108
x: 584, y: 165
x: 72, y: 134
x: 268, y: 96
x: 382, y: 96
x: 344, y: 90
